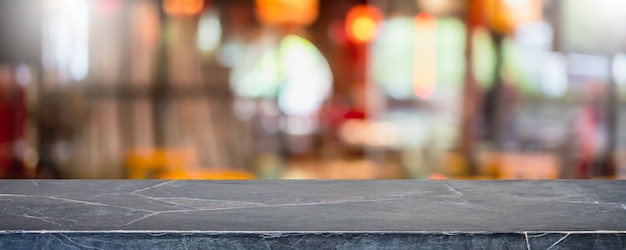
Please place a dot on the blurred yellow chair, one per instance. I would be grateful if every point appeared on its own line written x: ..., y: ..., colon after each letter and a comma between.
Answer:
x: 207, y: 174
x: 174, y: 164
x: 149, y: 163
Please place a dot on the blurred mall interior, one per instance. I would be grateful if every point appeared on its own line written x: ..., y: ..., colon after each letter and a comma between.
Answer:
x: 313, y: 89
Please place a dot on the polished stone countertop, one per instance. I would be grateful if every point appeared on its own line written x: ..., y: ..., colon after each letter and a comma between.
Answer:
x: 514, y: 213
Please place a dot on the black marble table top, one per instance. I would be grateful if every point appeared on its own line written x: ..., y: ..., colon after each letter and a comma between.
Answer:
x: 277, y: 214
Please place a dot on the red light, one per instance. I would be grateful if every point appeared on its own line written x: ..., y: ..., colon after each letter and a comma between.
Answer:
x: 424, y: 16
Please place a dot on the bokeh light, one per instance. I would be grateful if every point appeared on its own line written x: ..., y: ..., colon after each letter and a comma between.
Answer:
x: 279, y: 12
x: 362, y: 23
x: 183, y: 7
x: 425, y: 56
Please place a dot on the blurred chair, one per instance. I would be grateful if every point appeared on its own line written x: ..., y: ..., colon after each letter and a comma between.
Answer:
x: 175, y: 164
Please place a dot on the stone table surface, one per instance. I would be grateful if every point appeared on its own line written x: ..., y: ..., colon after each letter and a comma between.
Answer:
x: 113, y: 214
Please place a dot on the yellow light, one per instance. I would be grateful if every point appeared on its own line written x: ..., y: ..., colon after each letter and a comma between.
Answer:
x: 183, y: 7
x: 364, y: 29
x: 362, y: 23
x: 425, y: 56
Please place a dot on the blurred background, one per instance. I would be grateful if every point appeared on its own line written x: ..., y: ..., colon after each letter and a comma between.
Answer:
x: 313, y: 89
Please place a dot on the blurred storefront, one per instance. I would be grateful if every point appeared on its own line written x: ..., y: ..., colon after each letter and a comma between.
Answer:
x: 245, y: 89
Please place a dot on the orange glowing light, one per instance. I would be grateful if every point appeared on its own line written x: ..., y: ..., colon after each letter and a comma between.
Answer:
x: 362, y: 23
x: 425, y: 56
x: 364, y: 29
x: 504, y: 16
x: 183, y: 7
x: 300, y: 12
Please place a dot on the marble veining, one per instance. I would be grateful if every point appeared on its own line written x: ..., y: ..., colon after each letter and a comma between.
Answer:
x: 114, y: 214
